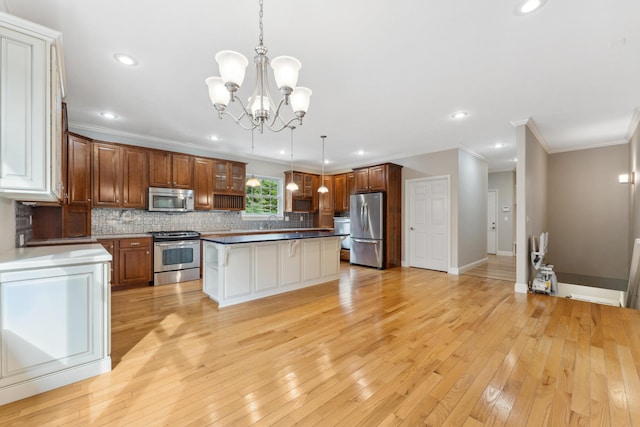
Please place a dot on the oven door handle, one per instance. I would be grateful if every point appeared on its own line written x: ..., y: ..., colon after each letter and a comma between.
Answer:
x: 164, y: 245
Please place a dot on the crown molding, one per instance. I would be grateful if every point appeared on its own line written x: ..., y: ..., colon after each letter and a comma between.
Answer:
x: 587, y: 147
x: 472, y: 153
x: 634, y: 124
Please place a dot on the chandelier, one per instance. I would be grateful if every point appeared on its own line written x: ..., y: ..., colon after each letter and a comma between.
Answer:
x: 260, y: 110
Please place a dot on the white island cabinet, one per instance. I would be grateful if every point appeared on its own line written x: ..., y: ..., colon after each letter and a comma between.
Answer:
x: 237, y: 271
x: 54, y: 318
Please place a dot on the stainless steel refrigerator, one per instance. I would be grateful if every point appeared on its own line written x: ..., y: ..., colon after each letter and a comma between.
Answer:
x: 367, y: 229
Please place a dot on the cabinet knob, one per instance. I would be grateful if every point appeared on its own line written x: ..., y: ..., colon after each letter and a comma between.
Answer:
x: 147, y: 252
x: 88, y: 200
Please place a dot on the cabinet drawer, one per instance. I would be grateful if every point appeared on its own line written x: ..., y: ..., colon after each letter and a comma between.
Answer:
x: 135, y: 243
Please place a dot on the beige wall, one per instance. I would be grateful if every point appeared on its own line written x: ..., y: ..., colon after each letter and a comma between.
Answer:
x: 7, y: 224
x: 531, y: 178
x: 588, y: 212
x: 429, y: 165
x: 505, y: 183
x: 634, y: 190
x: 472, y: 209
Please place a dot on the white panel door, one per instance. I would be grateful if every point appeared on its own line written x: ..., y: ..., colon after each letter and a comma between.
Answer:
x: 492, y: 218
x: 429, y: 223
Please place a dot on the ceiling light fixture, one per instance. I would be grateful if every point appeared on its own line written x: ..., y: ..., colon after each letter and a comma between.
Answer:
x: 459, y: 115
x: 214, y: 138
x: 292, y: 186
x: 261, y: 109
x: 529, y: 6
x: 125, y: 59
x: 253, y: 181
x: 498, y: 145
x: 323, y: 188
x: 108, y: 115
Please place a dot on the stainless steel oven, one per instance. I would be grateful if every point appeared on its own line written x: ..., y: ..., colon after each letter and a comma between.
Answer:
x: 176, y: 256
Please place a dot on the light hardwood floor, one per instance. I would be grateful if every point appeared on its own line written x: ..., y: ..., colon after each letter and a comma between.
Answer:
x: 402, y: 346
x: 496, y: 267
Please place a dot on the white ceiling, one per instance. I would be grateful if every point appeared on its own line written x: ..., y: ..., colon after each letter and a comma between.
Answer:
x: 386, y: 75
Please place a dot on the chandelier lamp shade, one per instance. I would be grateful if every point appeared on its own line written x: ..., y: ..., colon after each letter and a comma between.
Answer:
x: 260, y: 109
x: 323, y: 188
x: 292, y: 186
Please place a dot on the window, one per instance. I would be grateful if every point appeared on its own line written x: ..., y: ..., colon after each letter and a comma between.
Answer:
x: 266, y: 199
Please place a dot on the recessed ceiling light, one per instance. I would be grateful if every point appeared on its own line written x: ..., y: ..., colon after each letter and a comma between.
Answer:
x: 214, y: 138
x: 515, y: 159
x: 283, y: 152
x: 125, y: 59
x: 498, y: 145
x: 528, y: 6
x: 360, y: 152
x: 459, y: 115
x: 108, y: 115
x: 326, y: 161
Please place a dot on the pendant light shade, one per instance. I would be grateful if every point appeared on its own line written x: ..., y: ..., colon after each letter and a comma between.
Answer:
x: 323, y: 188
x: 292, y: 186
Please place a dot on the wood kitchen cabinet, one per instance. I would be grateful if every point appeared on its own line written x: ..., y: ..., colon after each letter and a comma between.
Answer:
x: 305, y: 198
x: 229, y: 177
x: 171, y: 170
x: 76, y: 210
x: 372, y: 178
x: 326, y: 204
x: 132, y: 260
x: 119, y: 176
x: 203, y: 183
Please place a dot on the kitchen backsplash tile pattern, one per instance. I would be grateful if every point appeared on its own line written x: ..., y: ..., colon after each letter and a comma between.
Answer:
x: 125, y: 221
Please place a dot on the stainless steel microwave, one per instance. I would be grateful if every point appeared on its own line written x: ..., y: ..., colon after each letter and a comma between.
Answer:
x: 170, y: 200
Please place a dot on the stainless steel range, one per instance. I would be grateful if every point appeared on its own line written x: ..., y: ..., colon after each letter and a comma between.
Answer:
x: 176, y: 256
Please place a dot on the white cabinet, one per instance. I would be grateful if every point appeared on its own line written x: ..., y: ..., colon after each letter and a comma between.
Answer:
x: 31, y: 92
x: 235, y: 273
x: 54, y: 318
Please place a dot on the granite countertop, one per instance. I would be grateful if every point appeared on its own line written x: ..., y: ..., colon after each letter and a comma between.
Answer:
x: 52, y: 256
x: 61, y: 241
x: 270, y: 237
x: 122, y: 236
x: 240, y: 232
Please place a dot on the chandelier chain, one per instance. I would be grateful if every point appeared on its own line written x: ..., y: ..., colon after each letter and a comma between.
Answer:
x: 261, y: 27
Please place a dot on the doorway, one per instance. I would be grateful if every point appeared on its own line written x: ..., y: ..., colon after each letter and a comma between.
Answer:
x: 492, y: 221
x: 429, y: 233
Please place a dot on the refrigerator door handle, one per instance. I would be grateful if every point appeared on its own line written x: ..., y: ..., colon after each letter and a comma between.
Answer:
x: 371, y: 242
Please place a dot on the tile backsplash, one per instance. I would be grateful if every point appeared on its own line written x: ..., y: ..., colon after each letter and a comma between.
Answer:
x: 23, y: 223
x: 125, y: 221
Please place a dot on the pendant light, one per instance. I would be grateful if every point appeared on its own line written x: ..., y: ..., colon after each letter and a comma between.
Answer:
x: 253, y: 181
x: 292, y: 186
x: 323, y: 188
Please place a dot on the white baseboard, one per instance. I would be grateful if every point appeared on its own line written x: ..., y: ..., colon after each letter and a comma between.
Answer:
x: 505, y: 253
x: 467, y: 267
x: 591, y: 294
x: 521, y: 288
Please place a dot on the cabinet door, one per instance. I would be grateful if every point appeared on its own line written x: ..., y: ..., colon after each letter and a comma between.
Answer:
x: 111, y: 245
x: 106, y: 175
x: 298, y: 178
x: 238, y: 177
x: 351, y: 183
x: 339, y: 192
x: 76, y: 220
x: 134, y: 178
x: 203, y: 183
x: 23, y: 140
x: 220, y: 182
x: 308, y: 184
x: 378, y: 178
x: 134, y: 262
x: 182, y: 172
x: 361, y: 180
x: 78, y: 171
x: 159, y: 169
x: 326, y: 199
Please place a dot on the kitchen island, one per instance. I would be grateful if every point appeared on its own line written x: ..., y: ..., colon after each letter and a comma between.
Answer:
x: 247, y: 267
x: 55, y: 306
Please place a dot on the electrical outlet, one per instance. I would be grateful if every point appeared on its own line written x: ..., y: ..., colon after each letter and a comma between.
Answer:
x: 21, y: 237
x: 30, y: 220
x: 301, y: 218
x: 286, y: 218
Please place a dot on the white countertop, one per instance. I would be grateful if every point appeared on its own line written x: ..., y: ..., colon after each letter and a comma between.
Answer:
x: 52, y: 256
